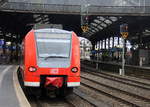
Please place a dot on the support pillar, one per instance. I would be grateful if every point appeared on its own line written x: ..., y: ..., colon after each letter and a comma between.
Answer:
x: 108, y: 43
x: 113, y: 47
x: 118, y: 43
x: 125, y: 48
x: 100, y: 47
x: 101, y: 44
x: 113, y: 42
x: 105, y: 43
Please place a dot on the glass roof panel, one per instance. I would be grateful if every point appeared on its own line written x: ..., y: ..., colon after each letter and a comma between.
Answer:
x: 96, y: 29
x: 101, y: 18
x: 94, y: 24
x: 100, y: 27
x: 108, y: 21
x: 93, y: 30
x: 113, y: 18
x: 103, y: 24
x: 97, y: 21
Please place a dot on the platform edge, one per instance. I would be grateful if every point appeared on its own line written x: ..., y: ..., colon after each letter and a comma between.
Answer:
x: 23, y: 102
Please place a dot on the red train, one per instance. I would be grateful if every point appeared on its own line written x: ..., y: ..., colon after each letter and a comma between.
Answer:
x: 51, y: 60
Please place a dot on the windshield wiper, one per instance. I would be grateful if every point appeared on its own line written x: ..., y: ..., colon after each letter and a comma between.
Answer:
x: 54, y: 57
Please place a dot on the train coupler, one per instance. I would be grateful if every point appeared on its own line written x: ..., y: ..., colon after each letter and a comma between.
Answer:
x: 52, y: 82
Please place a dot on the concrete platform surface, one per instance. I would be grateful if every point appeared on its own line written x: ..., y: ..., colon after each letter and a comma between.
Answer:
x: 8, y: 96
x: 11, y: 94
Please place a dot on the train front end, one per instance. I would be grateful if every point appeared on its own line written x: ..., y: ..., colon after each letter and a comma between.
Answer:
x: 52, y: 59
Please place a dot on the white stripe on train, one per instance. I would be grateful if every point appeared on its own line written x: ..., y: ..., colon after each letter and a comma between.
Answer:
x: 73, y: 84
x: 37, y: 84
x: 32, y: 84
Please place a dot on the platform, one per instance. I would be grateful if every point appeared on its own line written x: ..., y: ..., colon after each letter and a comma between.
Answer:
x: 131, y: 70
x: 119, y: 64
x: 11, y: 94
x: 8, y: 97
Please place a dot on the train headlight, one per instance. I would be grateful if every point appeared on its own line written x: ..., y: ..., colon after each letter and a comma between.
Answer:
x: 32, y: 69
x: 74, y: 69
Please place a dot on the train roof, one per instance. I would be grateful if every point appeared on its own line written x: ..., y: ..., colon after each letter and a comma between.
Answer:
x: 52, y: 30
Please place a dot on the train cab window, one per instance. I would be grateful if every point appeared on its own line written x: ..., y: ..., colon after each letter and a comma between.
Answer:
x: 51, y: 46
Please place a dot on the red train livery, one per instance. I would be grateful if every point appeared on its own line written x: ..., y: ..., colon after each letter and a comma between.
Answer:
x: 51, y: 59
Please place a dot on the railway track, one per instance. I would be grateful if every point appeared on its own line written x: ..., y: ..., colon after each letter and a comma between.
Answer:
x: 132, y: 71
x: 77, y: 99
x: 144, y: 84
x: 133, y: 94
x: 121, y: 96
x: 44, y: 101
x: 98, y: 83
x: 49, y: 102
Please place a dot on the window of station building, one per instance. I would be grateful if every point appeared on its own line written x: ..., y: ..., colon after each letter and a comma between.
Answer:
x: 103, y: 44
x: 115, y: 41
x: 111, y: 40
x: 120, y: 40
x: 120, y: 44
x: 128, y: 44
x: 95, y: 47
x: 100, y: 45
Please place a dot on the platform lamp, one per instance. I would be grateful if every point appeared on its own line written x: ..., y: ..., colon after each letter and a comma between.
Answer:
x: 124, y: 33
x: 84, y: 17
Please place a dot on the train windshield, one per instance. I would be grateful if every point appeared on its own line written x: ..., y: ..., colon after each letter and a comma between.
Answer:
x: 51, y: 46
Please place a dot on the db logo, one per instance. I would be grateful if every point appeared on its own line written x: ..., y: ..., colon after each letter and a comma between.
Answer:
x: 54, y: 71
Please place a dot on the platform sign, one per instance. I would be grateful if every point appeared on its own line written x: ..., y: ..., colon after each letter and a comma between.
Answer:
x: 124, y: 33
x: 124, y: 30
x: 84, y: 28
